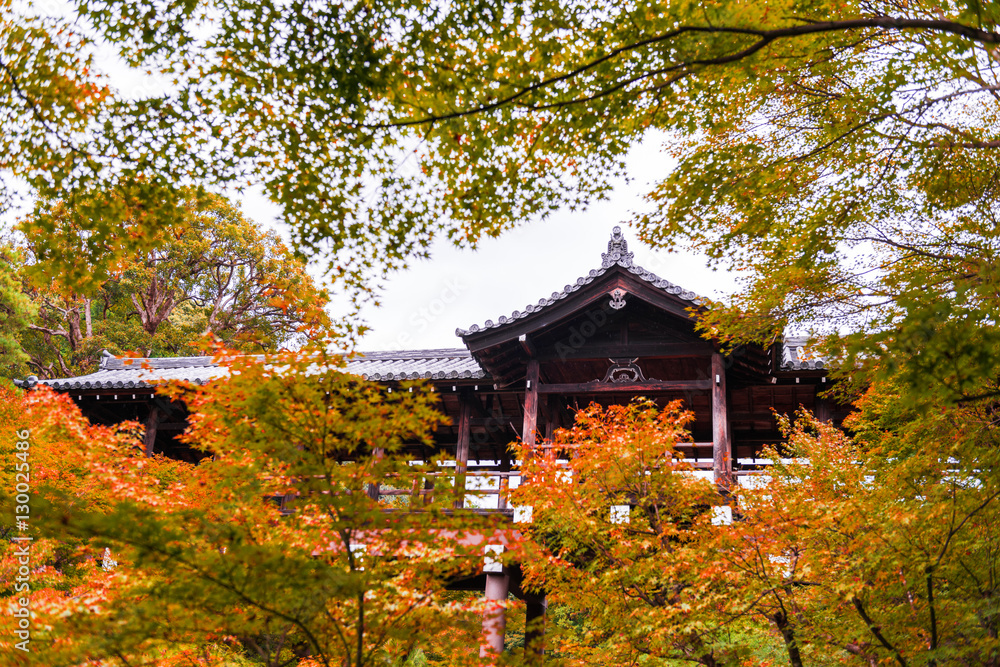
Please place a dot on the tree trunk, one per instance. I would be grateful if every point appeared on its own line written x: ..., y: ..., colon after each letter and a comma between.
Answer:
x: 788, y: 634
x: 73, y: 329
x: 153, y: 308
x: 90, y: 323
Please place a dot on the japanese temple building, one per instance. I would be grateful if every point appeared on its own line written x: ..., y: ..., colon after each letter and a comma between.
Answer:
x: 613, y: 334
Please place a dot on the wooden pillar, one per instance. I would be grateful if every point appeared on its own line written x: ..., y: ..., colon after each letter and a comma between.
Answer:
x: 722, y: 462
x: 503, y: 483
x: 462, y: 450
x: 551, y: 416
x: 534, y: 628
x: 495, y: 617
x: 428, y: 490
x: 530, y: 417
x: 824, y: 411
x: 375, y: 489
x: 149, y: 439
x: 530, y: 404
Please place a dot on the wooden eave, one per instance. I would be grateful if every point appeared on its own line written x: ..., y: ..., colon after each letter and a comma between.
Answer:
x: 580, y: 301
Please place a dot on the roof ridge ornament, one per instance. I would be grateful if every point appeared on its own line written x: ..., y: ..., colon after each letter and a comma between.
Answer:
x: 617, y: 255
x: 617, y: 251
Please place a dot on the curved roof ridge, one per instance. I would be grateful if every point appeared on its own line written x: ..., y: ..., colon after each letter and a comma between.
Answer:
x: 132, y: 373
x: 617, y: 255
x: 435, y: 353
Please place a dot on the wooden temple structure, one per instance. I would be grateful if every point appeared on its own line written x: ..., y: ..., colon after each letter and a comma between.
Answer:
x: 618, y: 332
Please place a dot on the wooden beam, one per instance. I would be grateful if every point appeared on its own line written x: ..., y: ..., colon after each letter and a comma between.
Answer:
x: 149, y: 439
x: 722, y: 462
x: 531, y: 390
x: 643, y: 350
x: 608, y: 387
x: 462, y: 449
x: 527, y: 345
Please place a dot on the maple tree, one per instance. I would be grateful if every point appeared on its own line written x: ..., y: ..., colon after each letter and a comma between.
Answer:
x: 211, y: 565
x: 81, y: 461
x: 870, y: 550
x: 879, y: 549
x: 618, y: 537
x: 842, y: 155
x: 809, y: 134
x: 16, y: 313
x: 219, y: 276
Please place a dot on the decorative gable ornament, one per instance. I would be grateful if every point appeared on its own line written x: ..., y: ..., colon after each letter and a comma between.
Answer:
x: 625, y: 371
x: 617, y: 298
x: 617, y: 251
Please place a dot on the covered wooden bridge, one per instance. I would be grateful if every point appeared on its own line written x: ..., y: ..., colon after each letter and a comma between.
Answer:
x: 618, y: 332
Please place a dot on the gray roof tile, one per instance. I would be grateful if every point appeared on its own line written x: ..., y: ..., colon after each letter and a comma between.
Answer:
x: 144, y: 373
x: 793, y: 355
x: 137, y: 377
x: 446, y: 364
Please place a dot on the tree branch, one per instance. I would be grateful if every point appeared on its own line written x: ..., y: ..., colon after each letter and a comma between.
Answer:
x: 764, y: 37
x: 874, y: 629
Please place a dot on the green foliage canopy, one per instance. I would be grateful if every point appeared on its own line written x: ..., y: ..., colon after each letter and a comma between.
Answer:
x: 218, y: 277
x: 843, y: 156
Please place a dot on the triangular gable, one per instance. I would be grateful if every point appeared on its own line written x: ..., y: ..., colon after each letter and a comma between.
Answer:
x: 617, y: 257
x: 606, y: 297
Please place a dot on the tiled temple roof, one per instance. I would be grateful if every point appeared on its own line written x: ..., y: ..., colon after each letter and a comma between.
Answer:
x: 796, y: 357
x: 390, y: 366
x: 144, y: 373
x: 445, y: 364
x: 617, y: 255
x: 440, y: 364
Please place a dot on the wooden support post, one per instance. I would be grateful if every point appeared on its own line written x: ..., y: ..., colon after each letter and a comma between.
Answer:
x: 551, y: 416
x: 530, y: 404
x: 823, y: 411
x: 722, y: 462
x: 534, y: 624
x: 149, y: 439
x: 415, y: 488
x: 375, y: 489
x: 462, y: 450
x: 530, y: 421
x: 495, y: 617
x: 503, y: 491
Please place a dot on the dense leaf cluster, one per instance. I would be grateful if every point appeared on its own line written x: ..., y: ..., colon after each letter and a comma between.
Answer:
x: 219, y: 279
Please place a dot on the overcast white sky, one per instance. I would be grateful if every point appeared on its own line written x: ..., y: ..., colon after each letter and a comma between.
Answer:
x: 422, y: 307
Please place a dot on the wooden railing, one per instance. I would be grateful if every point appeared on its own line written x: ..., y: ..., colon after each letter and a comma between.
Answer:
x: 488, y: 482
